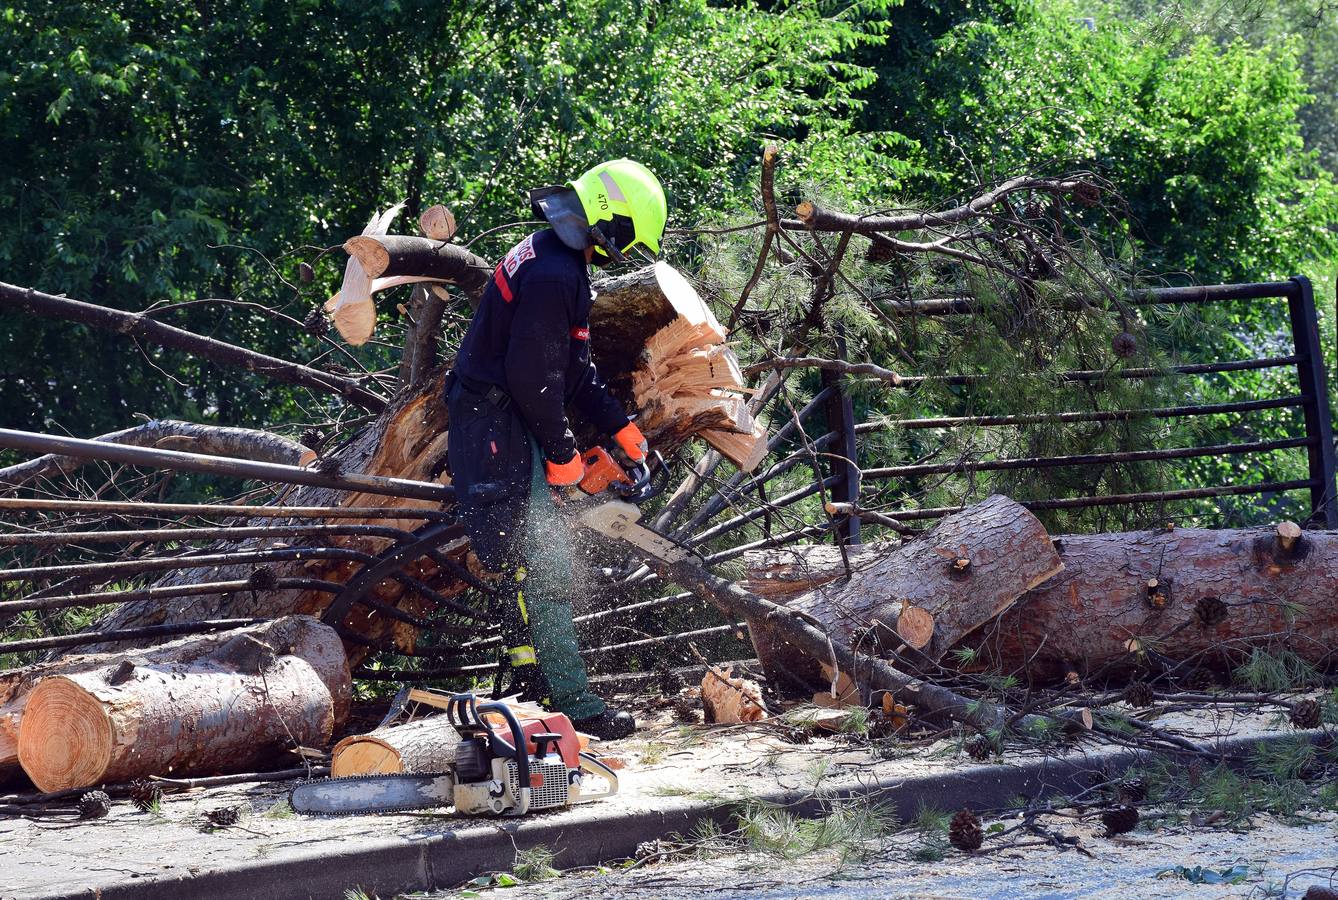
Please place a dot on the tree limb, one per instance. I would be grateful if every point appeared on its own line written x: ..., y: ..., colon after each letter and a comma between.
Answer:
x: 167, y: 434
x: 139, y: 326
x: 830, y: 365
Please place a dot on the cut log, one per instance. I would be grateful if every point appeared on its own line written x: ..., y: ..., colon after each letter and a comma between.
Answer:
x: 929, y: 593
x: 392, y: 255
x: 251, y: 695
x: 424, y: 746
x: 352, y: 309
x: 1224, y: 593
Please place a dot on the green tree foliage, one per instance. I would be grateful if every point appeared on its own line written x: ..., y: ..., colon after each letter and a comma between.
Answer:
x: 1202, y: 139
x: 148, y: 144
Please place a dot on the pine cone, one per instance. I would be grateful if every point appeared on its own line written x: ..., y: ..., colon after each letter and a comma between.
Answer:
x: 1139, y: 694
x: 652, y: 849
x: 1200, y: 680
x: 1307, y: 714
x: 670, y: 682
x: 980, y: 748
x: 879, y: 252
x: 1133, y: 791
x: 1119, y: 819
x: 312, y: 438
x: 305, y: 272
x: 1210, y: 611
x: 965, y: 832
x: 1087, y: 194
x: 263, y: 578
x: 329, y: 465
x: 223, y: 816
x: 687, y: 708
x: 145, y: 794
x: 316, y: 323
x: 94, y: 805
x: 1124, y: 345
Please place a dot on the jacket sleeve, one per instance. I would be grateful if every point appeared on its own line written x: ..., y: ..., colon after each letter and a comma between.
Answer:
x: 536, y: 362
x: 591, y: 398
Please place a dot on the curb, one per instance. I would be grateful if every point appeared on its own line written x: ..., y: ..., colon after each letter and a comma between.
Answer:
x: 435, y: 860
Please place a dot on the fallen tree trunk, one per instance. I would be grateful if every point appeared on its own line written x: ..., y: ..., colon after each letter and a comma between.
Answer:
x: 793, y: 631
x: 1218, y: 594
x: 927, y: 594
x: 408, y: 440
x: 222, y: 702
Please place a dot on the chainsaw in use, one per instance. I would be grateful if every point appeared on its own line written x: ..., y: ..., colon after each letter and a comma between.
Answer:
x: 610, y: 496
x: 510, y: 770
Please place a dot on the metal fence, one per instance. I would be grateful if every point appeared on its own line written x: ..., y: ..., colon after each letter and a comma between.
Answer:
x: 625, y: 623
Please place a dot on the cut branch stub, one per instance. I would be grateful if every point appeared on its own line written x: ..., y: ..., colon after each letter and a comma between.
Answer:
x: 1288, y: 534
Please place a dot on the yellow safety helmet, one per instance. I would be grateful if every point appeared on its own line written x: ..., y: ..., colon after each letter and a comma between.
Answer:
x: 614, y: 206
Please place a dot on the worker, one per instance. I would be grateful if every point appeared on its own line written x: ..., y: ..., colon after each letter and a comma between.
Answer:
x: 524, y: 360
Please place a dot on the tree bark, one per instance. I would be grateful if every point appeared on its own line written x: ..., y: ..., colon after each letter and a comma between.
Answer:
x: 218, y: 702
x: 141, y: 327
x: 424, y: 746
x: 391, y: 255
x: 929, y: 593
x: 1099, y: 616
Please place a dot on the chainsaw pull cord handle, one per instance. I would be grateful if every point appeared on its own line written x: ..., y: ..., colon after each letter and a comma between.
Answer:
x: 516, y: 747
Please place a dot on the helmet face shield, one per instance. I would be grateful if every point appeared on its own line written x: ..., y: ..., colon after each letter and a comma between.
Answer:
x: 562, y: 209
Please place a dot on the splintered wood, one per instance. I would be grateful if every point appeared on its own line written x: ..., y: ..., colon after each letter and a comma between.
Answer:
x: 728, y: 700
x: 689, y: 378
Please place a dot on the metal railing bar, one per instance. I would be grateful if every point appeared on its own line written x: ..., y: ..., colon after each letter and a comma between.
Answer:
x: 125, y: 634
x: 1120, y: 499
x: 182, y: 461
x: 160, y: 593
x: 779, y: 503
x: 1087, y: 459
x: 1114, y: 415
x: 667, y: 639
x: 1242, y: 365
x: 132, y: 509
x: 163, y: 535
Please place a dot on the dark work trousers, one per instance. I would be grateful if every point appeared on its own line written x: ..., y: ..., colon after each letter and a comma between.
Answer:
x: 506, y: 506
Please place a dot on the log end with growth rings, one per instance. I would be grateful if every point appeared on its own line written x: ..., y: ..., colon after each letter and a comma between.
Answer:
x: 915, y: 626
x: 66, y: 736
x: 370, y: 254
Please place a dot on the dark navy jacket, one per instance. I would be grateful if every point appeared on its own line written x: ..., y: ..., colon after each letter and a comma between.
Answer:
x: 531, y: 337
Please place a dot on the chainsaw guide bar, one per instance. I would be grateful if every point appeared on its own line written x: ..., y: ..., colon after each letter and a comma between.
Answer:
x: 362, y: 794
x: 620, y: 519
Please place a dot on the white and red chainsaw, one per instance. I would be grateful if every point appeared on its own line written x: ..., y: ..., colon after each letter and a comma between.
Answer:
x: 523, y: 769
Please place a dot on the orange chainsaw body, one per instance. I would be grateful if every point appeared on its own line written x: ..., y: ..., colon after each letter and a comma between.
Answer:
x: 601, y: 470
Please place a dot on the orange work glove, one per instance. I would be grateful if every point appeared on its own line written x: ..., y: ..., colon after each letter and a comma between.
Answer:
x: 565, y: 474
x: 632, y: 442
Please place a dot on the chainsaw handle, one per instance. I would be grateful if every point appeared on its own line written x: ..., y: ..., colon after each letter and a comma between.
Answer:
x: 517, y: 749
x: 595, y: 767
x: 469, y: 707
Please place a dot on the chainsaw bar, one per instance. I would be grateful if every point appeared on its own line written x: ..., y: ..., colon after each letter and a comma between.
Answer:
x: 619, y: 519
x: 363, y: 794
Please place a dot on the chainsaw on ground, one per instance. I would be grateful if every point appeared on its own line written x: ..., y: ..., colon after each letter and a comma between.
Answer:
x: 499, y: 771
x: 611, y: 496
